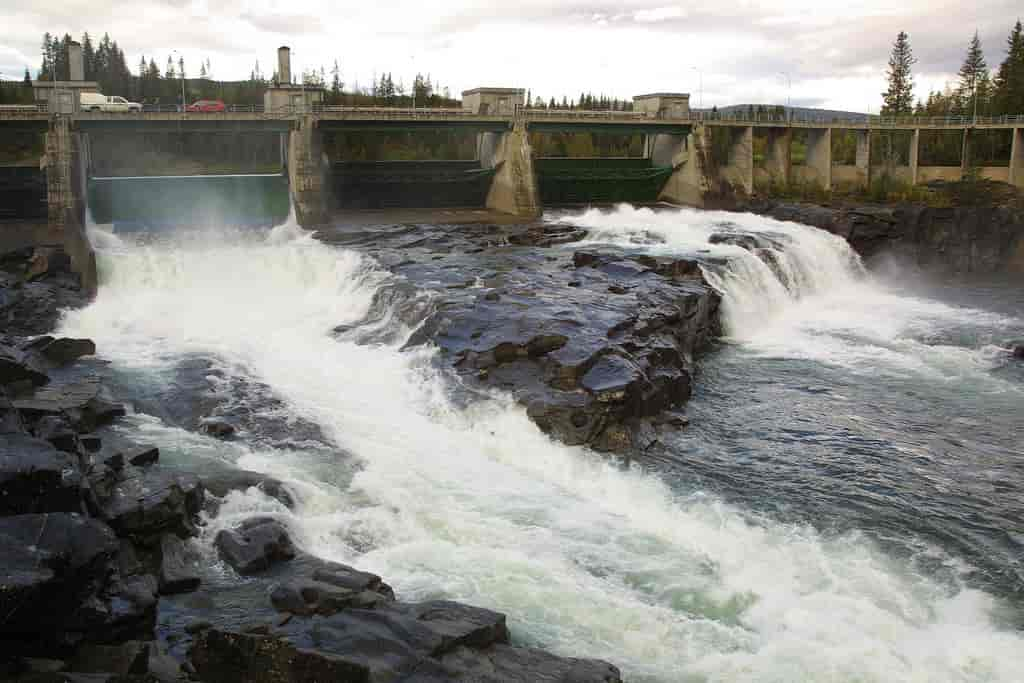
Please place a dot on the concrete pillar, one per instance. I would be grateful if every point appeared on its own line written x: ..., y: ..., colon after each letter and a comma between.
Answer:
x: 1017, y: 158
x: 514, y: 188
x: 741, y: 159
x: 863, y: 161
x: 689, y: 158
x: 915, y: 150
x: 66, y: 179
x: 779, y: 161
x: 306, y: 172
x: 819, y: 155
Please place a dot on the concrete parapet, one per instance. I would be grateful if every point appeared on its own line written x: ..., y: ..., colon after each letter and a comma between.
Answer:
x: 514, y: 188
x: 306, y: 173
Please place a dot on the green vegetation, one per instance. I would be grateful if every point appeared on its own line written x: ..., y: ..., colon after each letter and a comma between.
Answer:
x: 421, y: 145
x: 570, y: 144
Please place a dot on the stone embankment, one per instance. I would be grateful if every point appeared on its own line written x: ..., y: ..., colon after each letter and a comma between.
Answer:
x: 969, y: 240
x: 97, y: 536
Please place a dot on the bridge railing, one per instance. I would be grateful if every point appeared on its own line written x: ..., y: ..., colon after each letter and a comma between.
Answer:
x: 405, y: 112
x: 13, y: 110
x: 602, y: 114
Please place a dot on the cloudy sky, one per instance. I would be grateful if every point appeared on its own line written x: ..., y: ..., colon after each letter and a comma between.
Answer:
x: 833, y: 54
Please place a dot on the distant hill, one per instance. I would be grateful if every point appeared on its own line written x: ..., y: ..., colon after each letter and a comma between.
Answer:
x: 799, y: 112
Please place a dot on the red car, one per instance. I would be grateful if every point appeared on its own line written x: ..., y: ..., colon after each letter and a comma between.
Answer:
x: 206, y: 106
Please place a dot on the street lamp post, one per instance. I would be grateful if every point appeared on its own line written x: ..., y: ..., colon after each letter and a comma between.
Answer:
x: 700, y: 87
x: 789, y: 91
x: 181, y: 67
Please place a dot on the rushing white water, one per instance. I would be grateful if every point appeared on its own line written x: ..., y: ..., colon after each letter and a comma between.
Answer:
x: 587, y: 558
x: 817, y: 303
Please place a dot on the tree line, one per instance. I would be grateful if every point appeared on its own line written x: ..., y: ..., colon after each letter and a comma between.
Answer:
x: 978, y: 90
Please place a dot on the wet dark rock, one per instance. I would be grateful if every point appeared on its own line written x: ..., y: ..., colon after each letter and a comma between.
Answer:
x: 85, y: 404
x: 58, y: 431
x: 432, y: 641
x: 10, y: 418
x: 34, y: 287
x: 255, y: 545
x: 132, y: 660
x: 90, y: 442
x: 148, y: 502
x: 320, y: 587
x: 220, y: 429
x: 36, y: 477
x: 222, y: 483
x: 59, y: 583
x: 142, y: 456
x: 179, y: 566
x: 960, y: 239
x: 505, y: 664
x: 17, y: 366
x: 1018, y: 352
x: 66, y: 350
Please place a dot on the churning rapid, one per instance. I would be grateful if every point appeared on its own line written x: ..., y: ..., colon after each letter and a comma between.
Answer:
x: 668, y: 578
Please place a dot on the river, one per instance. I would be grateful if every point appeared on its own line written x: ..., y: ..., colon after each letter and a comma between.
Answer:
x: 845, y: 506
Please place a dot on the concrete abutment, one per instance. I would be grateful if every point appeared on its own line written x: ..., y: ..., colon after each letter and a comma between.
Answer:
x: 66, y: 161
x: 514, y: 186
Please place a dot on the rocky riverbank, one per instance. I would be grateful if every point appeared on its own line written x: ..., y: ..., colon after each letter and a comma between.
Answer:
x: 967, y: 240
x: 98, y: 535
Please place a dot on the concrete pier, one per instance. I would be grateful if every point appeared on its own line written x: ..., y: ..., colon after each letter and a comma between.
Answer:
x: 817, y: 168
x: 66, y: 177
x: 778, y: 162
x: 689, y: 158
x: 1016, y: 172
x: 739, y: 171
x: 514, y: 188
x: 306, y: 169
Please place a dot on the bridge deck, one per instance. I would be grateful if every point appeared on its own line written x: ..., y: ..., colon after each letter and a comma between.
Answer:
x: 373, y: 118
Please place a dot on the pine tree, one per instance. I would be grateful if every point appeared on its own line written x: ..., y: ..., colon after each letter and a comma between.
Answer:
x: 88, y: 57
x: 970, y: 76
x: 899, y: 98
x: 1009, y: 82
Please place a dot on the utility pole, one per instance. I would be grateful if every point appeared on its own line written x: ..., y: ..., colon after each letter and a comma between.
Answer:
x: 789, y: 91
x: 700, y: 87
x: 181, y: 67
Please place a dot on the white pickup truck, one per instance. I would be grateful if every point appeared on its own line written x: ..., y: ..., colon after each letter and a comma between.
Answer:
x: 93, y: 101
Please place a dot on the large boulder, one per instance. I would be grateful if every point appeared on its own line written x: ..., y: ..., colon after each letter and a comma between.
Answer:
x: 85, y: 404
x: 222, y: 483
x: 179, y: 565
x: 65, y: 350
x: 145, y: 503
x: 17, y: 367
x: 255, y: 545
x: 319, y: 587
x: 36, y: 477
x: 54, y: 574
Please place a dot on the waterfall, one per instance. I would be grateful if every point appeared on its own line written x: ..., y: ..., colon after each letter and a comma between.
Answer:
x: 474, y: 503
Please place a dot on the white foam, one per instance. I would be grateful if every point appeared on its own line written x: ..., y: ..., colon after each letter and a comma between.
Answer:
x: 825, y: 307
x: 476, y: 504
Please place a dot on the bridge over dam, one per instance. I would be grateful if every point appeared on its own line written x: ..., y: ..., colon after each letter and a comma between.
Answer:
x: 513, y: 159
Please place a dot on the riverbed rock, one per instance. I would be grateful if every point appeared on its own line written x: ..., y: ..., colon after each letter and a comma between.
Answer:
x: 66, y: 350
x: 36, y: 477
x: 1018, y: 352
x: 58, y: 431
x: 85, y: 404
x: 59, y: 583
x: 179, y: 565
x: 217, y: 428
x: 256, y: 545
x: 145, y: 503
x: 958, y: 239
x: 16, y: 366
x: 222, y: 483
x: 319, y: 587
